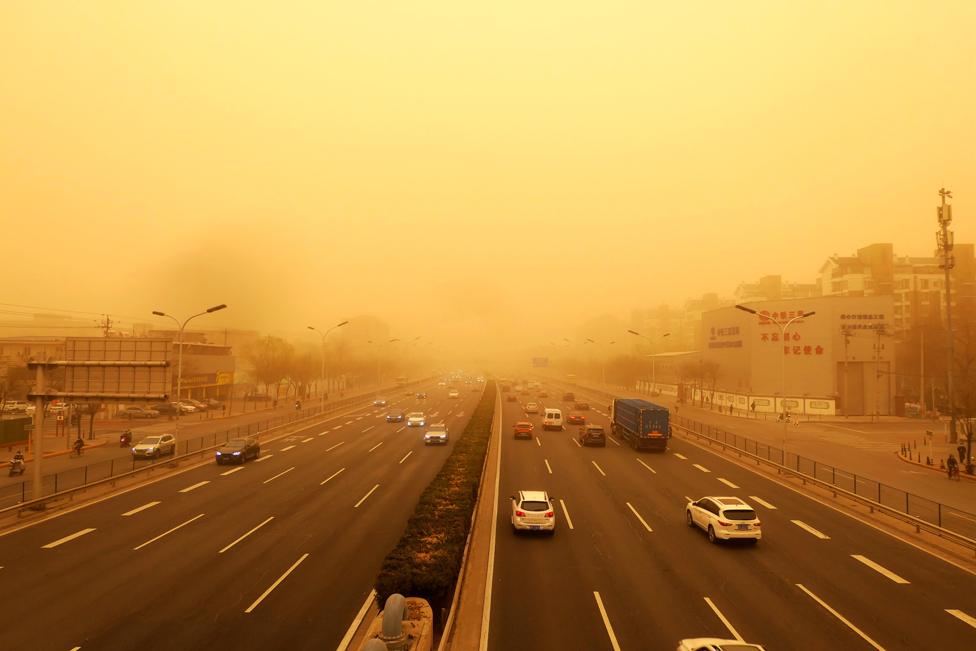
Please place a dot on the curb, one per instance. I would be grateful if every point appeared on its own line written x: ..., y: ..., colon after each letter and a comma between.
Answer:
x: 933, y: 468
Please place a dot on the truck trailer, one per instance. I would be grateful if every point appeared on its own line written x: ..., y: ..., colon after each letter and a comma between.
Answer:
x: 643, y: 424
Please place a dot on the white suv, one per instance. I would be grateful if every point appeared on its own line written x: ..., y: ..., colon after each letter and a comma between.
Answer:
x: 436, y: 434
x: 533, y: 511
x: 724, y: 518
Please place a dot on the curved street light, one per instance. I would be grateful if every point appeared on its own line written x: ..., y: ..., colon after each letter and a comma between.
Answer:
x: 324, y: 335
x: 179, y: 364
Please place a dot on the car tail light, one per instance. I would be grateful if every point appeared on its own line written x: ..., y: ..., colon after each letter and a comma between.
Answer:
x: 550, y: 514
x: 756, y: 525
x: 520, y: 514
x: 724, y: 523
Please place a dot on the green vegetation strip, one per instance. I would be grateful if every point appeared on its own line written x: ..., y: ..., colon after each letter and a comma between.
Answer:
x: 427, y: 559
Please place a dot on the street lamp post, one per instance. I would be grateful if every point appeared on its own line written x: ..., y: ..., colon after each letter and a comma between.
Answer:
x: 782, y: 328
x: 322, y: 372
x: 653, y: 359
x: 179, y: 355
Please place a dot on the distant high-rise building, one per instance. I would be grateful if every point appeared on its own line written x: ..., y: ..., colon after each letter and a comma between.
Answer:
x: 917, y: 283
x: 773, y: 288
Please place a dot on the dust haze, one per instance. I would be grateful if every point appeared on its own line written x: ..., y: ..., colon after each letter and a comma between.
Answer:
x: 490, y: 179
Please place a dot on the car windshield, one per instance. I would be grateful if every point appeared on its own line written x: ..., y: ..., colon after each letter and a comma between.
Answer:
x: 531, y: 505
x: 236, y: 443
x: 594, y: 430
x: 152, y: 440
x: 416, y: 414
x: 739, y: 514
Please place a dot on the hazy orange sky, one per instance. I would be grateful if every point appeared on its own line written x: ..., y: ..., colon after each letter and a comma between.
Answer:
x: 468, y: 169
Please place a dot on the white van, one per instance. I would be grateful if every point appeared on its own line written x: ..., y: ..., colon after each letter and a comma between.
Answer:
x: 553, y: 419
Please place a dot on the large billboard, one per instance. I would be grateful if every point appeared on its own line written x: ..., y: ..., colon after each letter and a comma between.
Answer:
x: 115, y: 377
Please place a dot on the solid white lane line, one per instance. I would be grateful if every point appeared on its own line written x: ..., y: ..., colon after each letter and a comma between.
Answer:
x: 642, y: 520
x: 367, y: 429
x: 841, y: 618
x: 725, y: 621
x: 271, y: 479
x: 538, y: 442
x: 647, y: 466
x: 334, y: 446
x: 399, y: 429
x: 548, y: 467
x: 195, y: 486
x: 275, y: 584
x: 376, y: 446
x: 405, y: 456
x: 246, y: 535
x: 969, y: 619
x: 680, y: 456
x: 360, y: 616
x: 332, y: 476
x: 599, y: 468
x: 879, y: 569
x: 263, y: 458
x: 614, y: 441
x: 606, y: 621
x: 363, y: 499
x: 231, y: 471
x: 61, y: 541
x: 702, y: 468
x: 166, y: 533
x: 809, y: 529
x: 726, y: 482
x: 577, y: 443
x: 569, y: 520
x: 140, y: 508
x: 763, y: 502
x: 310, y: 438
x: 285, y: 449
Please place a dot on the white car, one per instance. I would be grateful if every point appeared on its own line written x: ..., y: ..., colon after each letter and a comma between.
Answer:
x: 533, y: 511
x: 724, y: 518
x: 416, y: 419
x: 154, y: 446
x: 436, y: 434
x: 454, y: 393
x: 531, y: 408
x: 716, y: 644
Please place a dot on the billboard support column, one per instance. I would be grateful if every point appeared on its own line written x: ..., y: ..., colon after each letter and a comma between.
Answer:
x: 38, y: 433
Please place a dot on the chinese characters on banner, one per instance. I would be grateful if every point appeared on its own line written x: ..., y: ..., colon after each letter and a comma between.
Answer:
x: 791, y: 341
x: 874, y: 321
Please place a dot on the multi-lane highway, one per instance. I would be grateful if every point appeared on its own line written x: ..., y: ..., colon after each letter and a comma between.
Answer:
x: 279, y: 553
x: 624, y: 571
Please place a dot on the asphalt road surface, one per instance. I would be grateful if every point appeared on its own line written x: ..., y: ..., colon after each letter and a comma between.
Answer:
x: 279, y: 553
x: 624, y: 571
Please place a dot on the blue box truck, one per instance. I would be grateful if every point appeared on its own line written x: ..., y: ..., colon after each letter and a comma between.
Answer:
x: 643, y: 424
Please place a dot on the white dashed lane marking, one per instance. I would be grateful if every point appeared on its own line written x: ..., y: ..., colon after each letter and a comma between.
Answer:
x: 140, y: 508
x: 681, y: 456
x: 702, y: 468
x: 726, y: 482
x: 647, y: 466
x: 809, y: 529
x: 763, y: 502
x: 61, y: 541
x: 879, y: 569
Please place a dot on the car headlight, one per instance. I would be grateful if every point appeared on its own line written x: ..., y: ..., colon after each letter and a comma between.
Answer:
x: 237, y: 454
x: 218, y: 453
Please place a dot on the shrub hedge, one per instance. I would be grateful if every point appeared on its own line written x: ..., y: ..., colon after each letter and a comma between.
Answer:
x: 427, y: 559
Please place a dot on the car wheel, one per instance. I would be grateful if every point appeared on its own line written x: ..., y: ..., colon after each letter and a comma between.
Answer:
x: 753, y: 541
x: 711, y: 535
x: 689, y: 519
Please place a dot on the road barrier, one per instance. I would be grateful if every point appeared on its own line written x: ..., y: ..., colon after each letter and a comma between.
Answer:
x: 62, y: 484
x: 924, y: 514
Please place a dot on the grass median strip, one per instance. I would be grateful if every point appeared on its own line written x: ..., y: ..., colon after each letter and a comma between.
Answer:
x: 426, y: 560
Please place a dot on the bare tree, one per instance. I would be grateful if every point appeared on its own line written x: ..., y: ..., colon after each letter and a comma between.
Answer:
x: 271, y: 359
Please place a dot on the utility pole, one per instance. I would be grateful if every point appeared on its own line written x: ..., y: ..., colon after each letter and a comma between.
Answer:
x: 880, y: 330
x: 106, y: 325
x: 944, y: 238
x: 847, y: 405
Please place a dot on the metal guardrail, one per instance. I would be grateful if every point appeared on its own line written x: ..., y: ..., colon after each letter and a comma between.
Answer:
x: 62, y: 484
x: 924, y: 514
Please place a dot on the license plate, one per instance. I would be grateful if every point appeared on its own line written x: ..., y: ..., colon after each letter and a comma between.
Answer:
x: 535, y: 526
x: 743, y: 527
